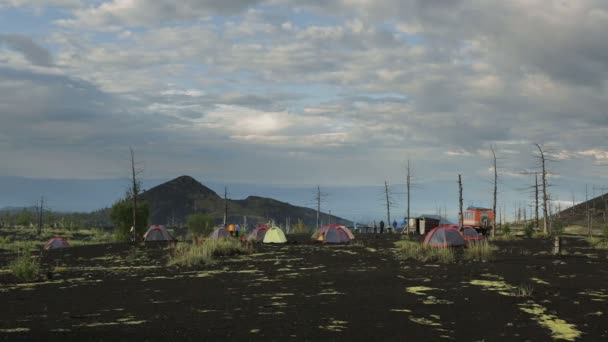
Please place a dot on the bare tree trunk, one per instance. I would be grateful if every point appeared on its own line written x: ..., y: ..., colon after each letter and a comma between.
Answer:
x: 460, y: 217
x: 495, y: 189
x: 587, y: 210
x: 134, y: 186
x: 40, y: 211
x: 408, y: 196
x: 225, y: 205
x: 388, y: 204
x: 536, y: 218
x: 546, y: 223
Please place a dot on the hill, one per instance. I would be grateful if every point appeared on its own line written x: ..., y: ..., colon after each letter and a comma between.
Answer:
x: 577, y: 215
x: 172, y: 202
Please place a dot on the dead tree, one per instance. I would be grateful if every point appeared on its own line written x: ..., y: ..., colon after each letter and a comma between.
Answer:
x: 135, y: 187
x: 460, y: 217
x: 408, y: 184
x: 388, y: 203
x: 587, y: 210
x: 225, y: 205
x: 543, y: 166
x: 536, y: 218
x: 40, y: 212
x: 494, y: 164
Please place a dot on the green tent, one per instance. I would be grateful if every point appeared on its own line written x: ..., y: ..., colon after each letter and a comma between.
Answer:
x: 275, y: 235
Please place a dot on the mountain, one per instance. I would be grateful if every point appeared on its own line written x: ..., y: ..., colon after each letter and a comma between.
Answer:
x: 172, y: 202
x: 577, y: 215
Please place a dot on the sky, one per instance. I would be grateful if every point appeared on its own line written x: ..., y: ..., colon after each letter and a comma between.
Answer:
x: 339, y: 93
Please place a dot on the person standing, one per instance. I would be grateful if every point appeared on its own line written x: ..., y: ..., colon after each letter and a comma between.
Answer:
x: 231, y: 229
x: 382, y: 227
x: 394, y: 226
x: 237, y: 228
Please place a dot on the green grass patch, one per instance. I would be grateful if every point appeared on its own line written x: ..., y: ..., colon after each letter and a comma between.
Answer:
x: 414, y: 250
x: 206, y: 252
x: 480, y: 251
x: 25, y: 267
x: 598, y: 243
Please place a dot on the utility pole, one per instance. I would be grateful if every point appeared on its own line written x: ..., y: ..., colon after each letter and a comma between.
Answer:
x: 318, y: 204
x: 460, y: 217
x: 225, y: 205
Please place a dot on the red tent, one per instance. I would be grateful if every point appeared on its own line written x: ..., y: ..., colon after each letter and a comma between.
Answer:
x: 470, y: 234
x: 258, y: 233
x: 158, y: 233
x: 56, y: 242
x: 443, y: 237
x: 333, y: 233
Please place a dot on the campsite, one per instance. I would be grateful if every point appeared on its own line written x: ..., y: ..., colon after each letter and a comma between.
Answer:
x: 307, y: 290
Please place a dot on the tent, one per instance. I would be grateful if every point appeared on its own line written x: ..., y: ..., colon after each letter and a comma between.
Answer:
x: 56, y: 242
x: 333, y: 233
x: 259, y: 233
x: 219, y: 232
x: 158, y: 233
x: 443, y: 237
x: 470, y: 234
x: 274, y: 235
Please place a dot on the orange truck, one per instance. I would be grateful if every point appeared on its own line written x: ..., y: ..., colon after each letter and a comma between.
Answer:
x: 482, y: 219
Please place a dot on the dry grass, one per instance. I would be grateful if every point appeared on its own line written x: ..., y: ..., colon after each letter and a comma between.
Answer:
x: 480, y: 251
x: 417, y: 251
x: 206, y: 252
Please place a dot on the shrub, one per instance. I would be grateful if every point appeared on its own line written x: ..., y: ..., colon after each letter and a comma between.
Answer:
x: 598, y: 243
x: 417, y: 251
x: 480, y: 251
x: 557, y: 228
x: 300, y: 228
x: 199, y: 224
x: 506, y: 229
x: 204, y: 253
x: 605, y: 231
x: 25, y: 268
x: 122, y: 218
x: 529, y: 230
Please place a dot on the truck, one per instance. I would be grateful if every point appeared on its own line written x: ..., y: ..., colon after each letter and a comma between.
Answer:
x: 482, y: 219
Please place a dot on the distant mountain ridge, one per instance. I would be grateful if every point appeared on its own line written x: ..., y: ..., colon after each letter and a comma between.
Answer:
x: 172, y: 202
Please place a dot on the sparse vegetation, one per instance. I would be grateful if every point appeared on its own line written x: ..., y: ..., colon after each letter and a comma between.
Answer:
x: 122, y: 218
x: 25, y: 267
x: 199, y: 224
x: 204, y: 253
x: 506, y: 229
x: 523, y: 290
x: 300, y: 228
x: 529, y: 230
x: 598, y: 243
x: 417, y: 251
x: 480, y: 251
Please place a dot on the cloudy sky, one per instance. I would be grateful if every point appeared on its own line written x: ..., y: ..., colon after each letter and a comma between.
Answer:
x: 330, y: 92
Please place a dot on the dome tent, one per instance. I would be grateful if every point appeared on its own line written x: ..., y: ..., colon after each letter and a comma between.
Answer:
x: 470, y: 234
x: 55, y: 243
x: 333, y: 233
x: 259, y: 233
x: 158, y: 233
x: 274, y: 235
x: 219, y: 233
x: 442, y: 237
